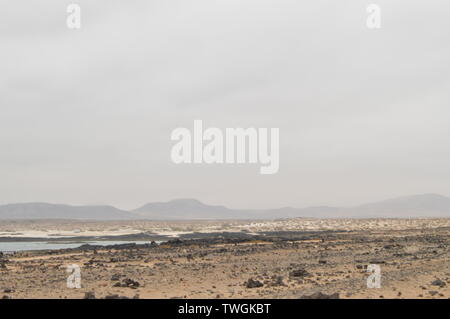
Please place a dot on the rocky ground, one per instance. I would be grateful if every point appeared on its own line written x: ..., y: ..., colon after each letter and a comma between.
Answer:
x: 268, y: 263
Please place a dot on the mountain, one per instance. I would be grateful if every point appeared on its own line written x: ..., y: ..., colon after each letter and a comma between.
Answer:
x: 185, y: 208
x: 425, y: 205
x: 416, y: 206
x: 58, y: 211
x: 188, y: 208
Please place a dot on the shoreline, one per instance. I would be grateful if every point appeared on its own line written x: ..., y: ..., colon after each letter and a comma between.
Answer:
x: 283, y: 264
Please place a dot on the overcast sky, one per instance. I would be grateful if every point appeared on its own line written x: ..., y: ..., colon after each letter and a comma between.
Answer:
x: 86, y: 115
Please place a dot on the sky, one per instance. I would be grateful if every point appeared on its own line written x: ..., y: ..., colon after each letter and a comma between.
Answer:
x: 86, y: 114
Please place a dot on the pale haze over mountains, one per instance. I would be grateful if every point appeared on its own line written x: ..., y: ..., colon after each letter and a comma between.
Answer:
x: 87, y: 114
x: 416, y: 206
x: 59, y: 211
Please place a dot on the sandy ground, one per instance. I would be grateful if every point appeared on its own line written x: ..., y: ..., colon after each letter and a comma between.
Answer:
x: 413, y: 256
x: 66, y: 228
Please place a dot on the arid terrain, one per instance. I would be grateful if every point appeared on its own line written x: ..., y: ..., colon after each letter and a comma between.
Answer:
x: 293, y: 258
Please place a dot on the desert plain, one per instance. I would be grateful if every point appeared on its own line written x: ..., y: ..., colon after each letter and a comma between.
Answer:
x: 286, y: 258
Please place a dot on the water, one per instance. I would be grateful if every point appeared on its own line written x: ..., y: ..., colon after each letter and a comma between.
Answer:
x: 43, y: 245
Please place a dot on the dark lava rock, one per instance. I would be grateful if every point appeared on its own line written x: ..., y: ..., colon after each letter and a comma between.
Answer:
x: 437, y: 282
x: 320, y: 295
x: 116, y: 297
x: 127, y: 283
x: 89, y: 295
x: 251, y: 283
x: 115, y: 277
x: 120, y: 297
x: 299, y: 273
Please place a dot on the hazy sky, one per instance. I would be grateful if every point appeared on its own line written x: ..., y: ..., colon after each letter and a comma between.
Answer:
x: 86, y: 115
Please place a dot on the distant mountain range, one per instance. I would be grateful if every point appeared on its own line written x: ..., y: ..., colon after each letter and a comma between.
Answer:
x: 416, y: 206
